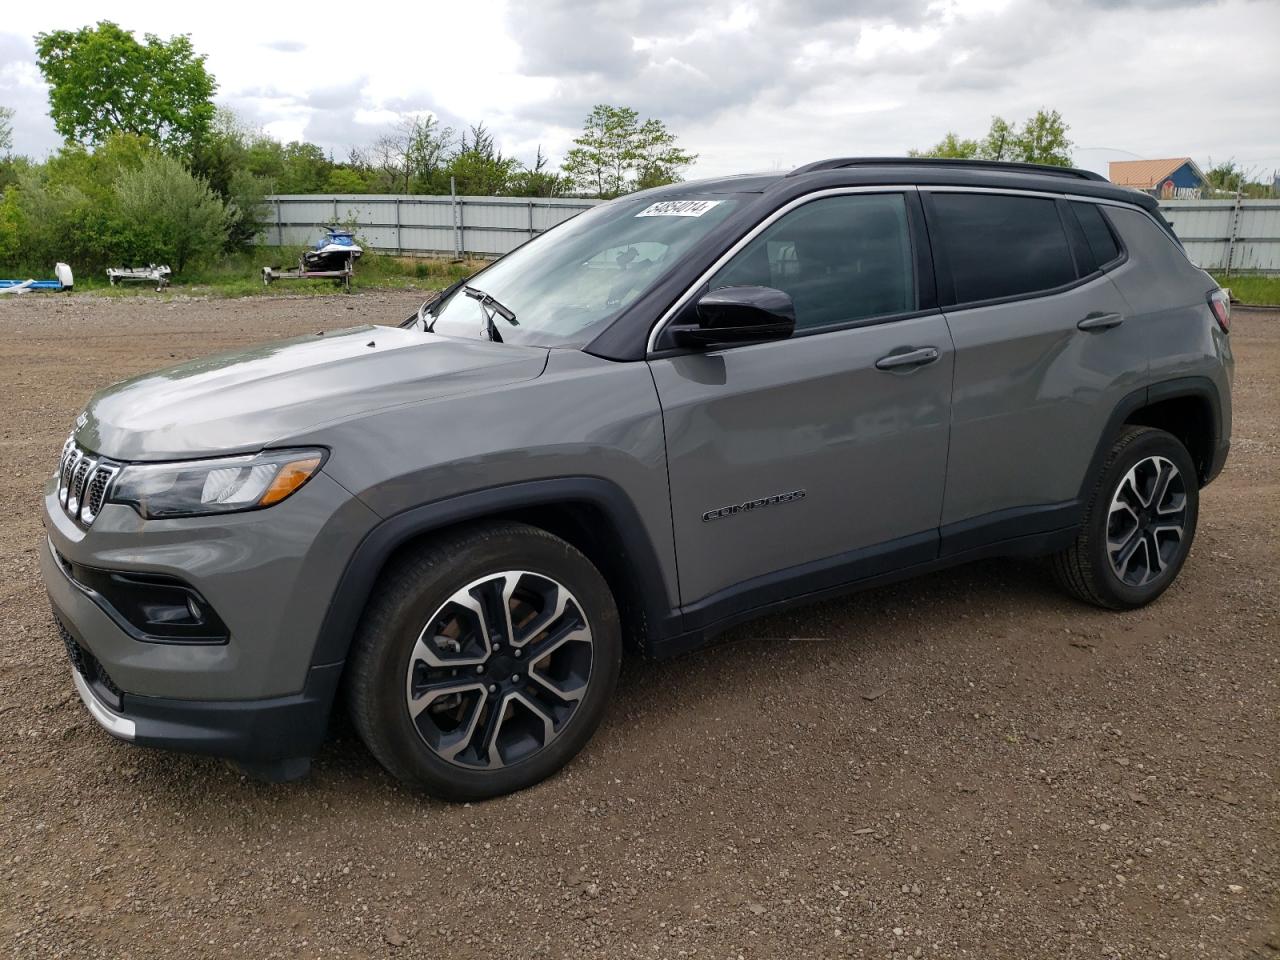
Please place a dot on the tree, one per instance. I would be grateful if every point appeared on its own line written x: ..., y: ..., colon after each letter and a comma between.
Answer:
x: 174, y: 213
x: 103, y: 81
x: 616, y: 153
x: 1042, y: 139
x: 951, y: 146
x: 538, y: 180
x: 6, y: 128
x: 478, y: 167
x: 659, y: 159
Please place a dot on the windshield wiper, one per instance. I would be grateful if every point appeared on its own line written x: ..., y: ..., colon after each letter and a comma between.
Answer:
x: 489, y: 306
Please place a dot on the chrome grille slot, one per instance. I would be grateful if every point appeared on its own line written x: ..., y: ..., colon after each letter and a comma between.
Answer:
x: 84, y: 483
x: 78, y: 480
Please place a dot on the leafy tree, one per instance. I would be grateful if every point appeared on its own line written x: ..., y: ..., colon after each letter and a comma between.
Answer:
x: 615, y: 153
x: 6, y: 128
x: 951, y: 146
x: 538, y: 180
x: 65, y: 208
x: 659, y: 159
x: 102, y: 81
x: 1041, y: 139
x: 174, y: 214
x: 344, y: 180
x: 478, y: 167
x: 222, y: 159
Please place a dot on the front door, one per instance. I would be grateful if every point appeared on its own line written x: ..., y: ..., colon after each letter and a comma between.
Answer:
x: 803, y: 463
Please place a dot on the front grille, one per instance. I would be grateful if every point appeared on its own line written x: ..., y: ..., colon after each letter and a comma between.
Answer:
x: 84, y: 481
x: 87, y: 665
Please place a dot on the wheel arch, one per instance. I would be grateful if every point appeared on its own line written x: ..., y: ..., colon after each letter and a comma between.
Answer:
x: 1188, y: 407
x: 591, y: 513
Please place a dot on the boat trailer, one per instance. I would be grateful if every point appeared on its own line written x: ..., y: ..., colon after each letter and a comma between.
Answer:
x: 151, y: 273
x: 341, y: 277
x: 63, y: 281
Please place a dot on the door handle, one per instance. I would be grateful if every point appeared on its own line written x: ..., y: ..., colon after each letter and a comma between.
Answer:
x: 1100, y: 321
x: 912, y: 358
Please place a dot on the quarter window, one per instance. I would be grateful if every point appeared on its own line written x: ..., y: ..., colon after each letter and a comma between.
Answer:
x: 1001, y: 246
x: 841, y: 259
x: 1102, y: 243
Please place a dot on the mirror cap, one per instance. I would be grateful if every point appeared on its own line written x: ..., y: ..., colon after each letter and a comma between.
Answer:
x: 740, y: 315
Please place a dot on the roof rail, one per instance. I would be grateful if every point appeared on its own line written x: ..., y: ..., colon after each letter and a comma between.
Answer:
x: 840, y: 163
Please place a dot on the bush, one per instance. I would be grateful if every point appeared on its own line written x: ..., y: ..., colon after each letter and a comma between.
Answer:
x: 172, y: 214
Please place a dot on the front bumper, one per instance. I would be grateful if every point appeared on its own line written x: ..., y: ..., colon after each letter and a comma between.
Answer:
x: 272, y: 738
x: 258, y: 696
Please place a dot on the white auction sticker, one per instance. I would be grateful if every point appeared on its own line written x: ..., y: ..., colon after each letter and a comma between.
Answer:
x: 678, y: 208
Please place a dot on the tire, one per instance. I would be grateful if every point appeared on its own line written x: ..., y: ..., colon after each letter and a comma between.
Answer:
x: 438, y: 651
x: 1138, y: 526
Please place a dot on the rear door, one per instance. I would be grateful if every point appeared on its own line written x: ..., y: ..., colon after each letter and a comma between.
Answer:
x: 791, y: 461
x: 1044, y: 353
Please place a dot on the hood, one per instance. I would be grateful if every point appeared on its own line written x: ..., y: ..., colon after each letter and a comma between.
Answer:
x: 240, y: 401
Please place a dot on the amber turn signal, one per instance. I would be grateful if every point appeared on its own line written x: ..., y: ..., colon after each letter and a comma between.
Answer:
x: 289, y: 478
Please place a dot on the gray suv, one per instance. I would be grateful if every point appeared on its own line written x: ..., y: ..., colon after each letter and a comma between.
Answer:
x: 682, y: 409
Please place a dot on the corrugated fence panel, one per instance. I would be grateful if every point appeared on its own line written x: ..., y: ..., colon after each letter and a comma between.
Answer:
x: 1216, y: 233
x: 492, y: 226
x: 482, y: 226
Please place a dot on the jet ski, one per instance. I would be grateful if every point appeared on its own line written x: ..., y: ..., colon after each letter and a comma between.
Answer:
x: 334, y: 251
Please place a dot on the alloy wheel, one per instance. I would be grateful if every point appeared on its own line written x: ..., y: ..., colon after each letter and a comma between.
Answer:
x: 1146, y: 522
x: 499, y: 669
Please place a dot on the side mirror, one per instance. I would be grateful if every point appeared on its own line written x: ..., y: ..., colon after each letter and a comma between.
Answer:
x: 739, y: 315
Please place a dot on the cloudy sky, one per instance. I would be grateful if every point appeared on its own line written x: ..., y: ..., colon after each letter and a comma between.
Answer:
x: 746, y: 84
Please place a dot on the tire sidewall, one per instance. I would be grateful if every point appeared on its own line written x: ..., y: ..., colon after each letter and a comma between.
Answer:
x: 1148, y: 444
x: 487, y: 555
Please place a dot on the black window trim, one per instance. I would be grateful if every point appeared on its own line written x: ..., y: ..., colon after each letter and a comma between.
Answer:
x: 926, y: 287
x: 946, y: 287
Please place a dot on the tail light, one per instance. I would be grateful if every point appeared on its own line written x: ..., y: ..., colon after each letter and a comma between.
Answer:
x: 1220, y: 304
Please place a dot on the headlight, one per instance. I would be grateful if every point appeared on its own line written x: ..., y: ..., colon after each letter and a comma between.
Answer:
x: 222, y: 485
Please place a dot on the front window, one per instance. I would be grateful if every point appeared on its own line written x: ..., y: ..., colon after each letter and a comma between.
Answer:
x: 841, y: 259
x: 565, y: 285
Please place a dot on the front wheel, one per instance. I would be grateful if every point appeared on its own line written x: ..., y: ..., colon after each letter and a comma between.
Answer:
x: 1139, y: 523
x: 485, y: 661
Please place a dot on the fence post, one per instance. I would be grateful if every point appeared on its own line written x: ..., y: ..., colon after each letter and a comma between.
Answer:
x: 399, y: 243
x: 457, y: 219
x: 279, y: 226
x: 1232, y: 232
x: 335, y: 211
x: 531, y: 233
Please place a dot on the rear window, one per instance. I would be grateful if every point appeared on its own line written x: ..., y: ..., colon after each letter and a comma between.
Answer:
x: 1097, y: 233
x: 1001, y: 246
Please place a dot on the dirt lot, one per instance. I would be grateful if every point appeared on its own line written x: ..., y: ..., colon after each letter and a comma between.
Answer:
x: 969, y: 765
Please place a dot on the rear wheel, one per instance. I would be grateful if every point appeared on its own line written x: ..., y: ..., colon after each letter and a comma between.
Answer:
x: 1139, y: 524
x: 485, y: 661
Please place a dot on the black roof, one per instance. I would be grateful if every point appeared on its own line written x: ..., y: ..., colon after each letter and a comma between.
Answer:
x: 925, y: 171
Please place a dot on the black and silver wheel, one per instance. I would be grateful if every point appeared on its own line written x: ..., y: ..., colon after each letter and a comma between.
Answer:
x: 485, y: 661
x: 1139, y: 524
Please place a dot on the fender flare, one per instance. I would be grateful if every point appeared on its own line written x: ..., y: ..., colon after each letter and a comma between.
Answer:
x: 1200, y: 387
x: 360, y: 576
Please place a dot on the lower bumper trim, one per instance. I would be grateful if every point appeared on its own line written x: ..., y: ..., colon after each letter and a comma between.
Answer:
x: 108, y: 719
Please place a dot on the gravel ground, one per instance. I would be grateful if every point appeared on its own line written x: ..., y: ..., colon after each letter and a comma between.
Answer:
x: 967, y: 765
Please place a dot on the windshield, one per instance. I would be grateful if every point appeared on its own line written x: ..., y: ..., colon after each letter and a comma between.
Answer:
x: 563, y: 285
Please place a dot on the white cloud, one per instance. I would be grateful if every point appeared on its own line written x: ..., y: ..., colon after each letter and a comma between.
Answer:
x: 746, y: 84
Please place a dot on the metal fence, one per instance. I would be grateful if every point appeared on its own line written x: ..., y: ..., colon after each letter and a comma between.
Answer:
x: 1228, y: 235
x: 1219, y: 234
x: 440, y: 226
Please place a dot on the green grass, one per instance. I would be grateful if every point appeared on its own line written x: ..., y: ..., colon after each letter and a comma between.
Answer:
x: 1252, y: 288
x: 240, y: 275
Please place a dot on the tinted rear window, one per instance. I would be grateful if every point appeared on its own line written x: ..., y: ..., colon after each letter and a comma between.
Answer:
x: 1001, y: 246
x: 1102, y: 243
